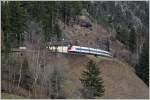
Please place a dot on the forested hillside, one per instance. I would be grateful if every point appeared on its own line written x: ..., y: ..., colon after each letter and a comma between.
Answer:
x: 119, y: 27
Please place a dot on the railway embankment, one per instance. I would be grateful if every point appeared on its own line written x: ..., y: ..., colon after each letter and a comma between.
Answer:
x: 120, y: 80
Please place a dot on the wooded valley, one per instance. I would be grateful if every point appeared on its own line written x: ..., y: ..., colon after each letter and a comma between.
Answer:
x: 120, y: 27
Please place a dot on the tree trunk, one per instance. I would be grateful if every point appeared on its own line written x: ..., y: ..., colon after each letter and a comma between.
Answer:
x: 20, y: 76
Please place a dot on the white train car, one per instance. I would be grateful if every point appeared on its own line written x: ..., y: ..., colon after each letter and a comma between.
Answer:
x: 61, y: 49
x: 80, y: 50
x: 86, y: 50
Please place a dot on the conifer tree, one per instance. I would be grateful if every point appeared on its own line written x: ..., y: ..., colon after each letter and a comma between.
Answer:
x: 13, y: 23
x: 57, y: 31
x: 142, y: 69
x: 17, y: 19
x: 56, y: 82
x: 27, y: 79
x: 132, y: 40
x: 91, y: 81
x: 6, y: 26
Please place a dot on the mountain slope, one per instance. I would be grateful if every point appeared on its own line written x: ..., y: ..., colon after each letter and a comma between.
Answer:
x: 97, y: 37
x: 28, y: 73
x: 120, y: 81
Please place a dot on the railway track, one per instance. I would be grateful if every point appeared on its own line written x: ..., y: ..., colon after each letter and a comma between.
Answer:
x: 70, y: 50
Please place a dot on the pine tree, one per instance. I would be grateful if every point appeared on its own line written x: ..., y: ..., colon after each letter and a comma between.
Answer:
x: 57, y: 31
x: 92, y: 82
x: 122, y: 34
x: 70, y: 10
x: 17, y: 21
x: 49, y: 18
x: 132, y: 40
x: 27, y: 79
x: 6, y: 26
x: 56, y: 82
x: 142, y: 69
x: 13, y: 23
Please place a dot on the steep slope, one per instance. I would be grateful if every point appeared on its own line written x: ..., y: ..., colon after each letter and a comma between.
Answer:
x: 113, y: 21
x: 96, y: 37
x: 120, y: 81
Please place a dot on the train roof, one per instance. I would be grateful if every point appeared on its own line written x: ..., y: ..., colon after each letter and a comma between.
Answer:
x: 92, y: 49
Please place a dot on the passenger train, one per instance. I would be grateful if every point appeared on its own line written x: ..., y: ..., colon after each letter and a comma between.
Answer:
x: 87, y: 50
x: 79, y: 50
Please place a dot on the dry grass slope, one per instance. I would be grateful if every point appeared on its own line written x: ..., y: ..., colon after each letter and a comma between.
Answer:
x: 120, y: 81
